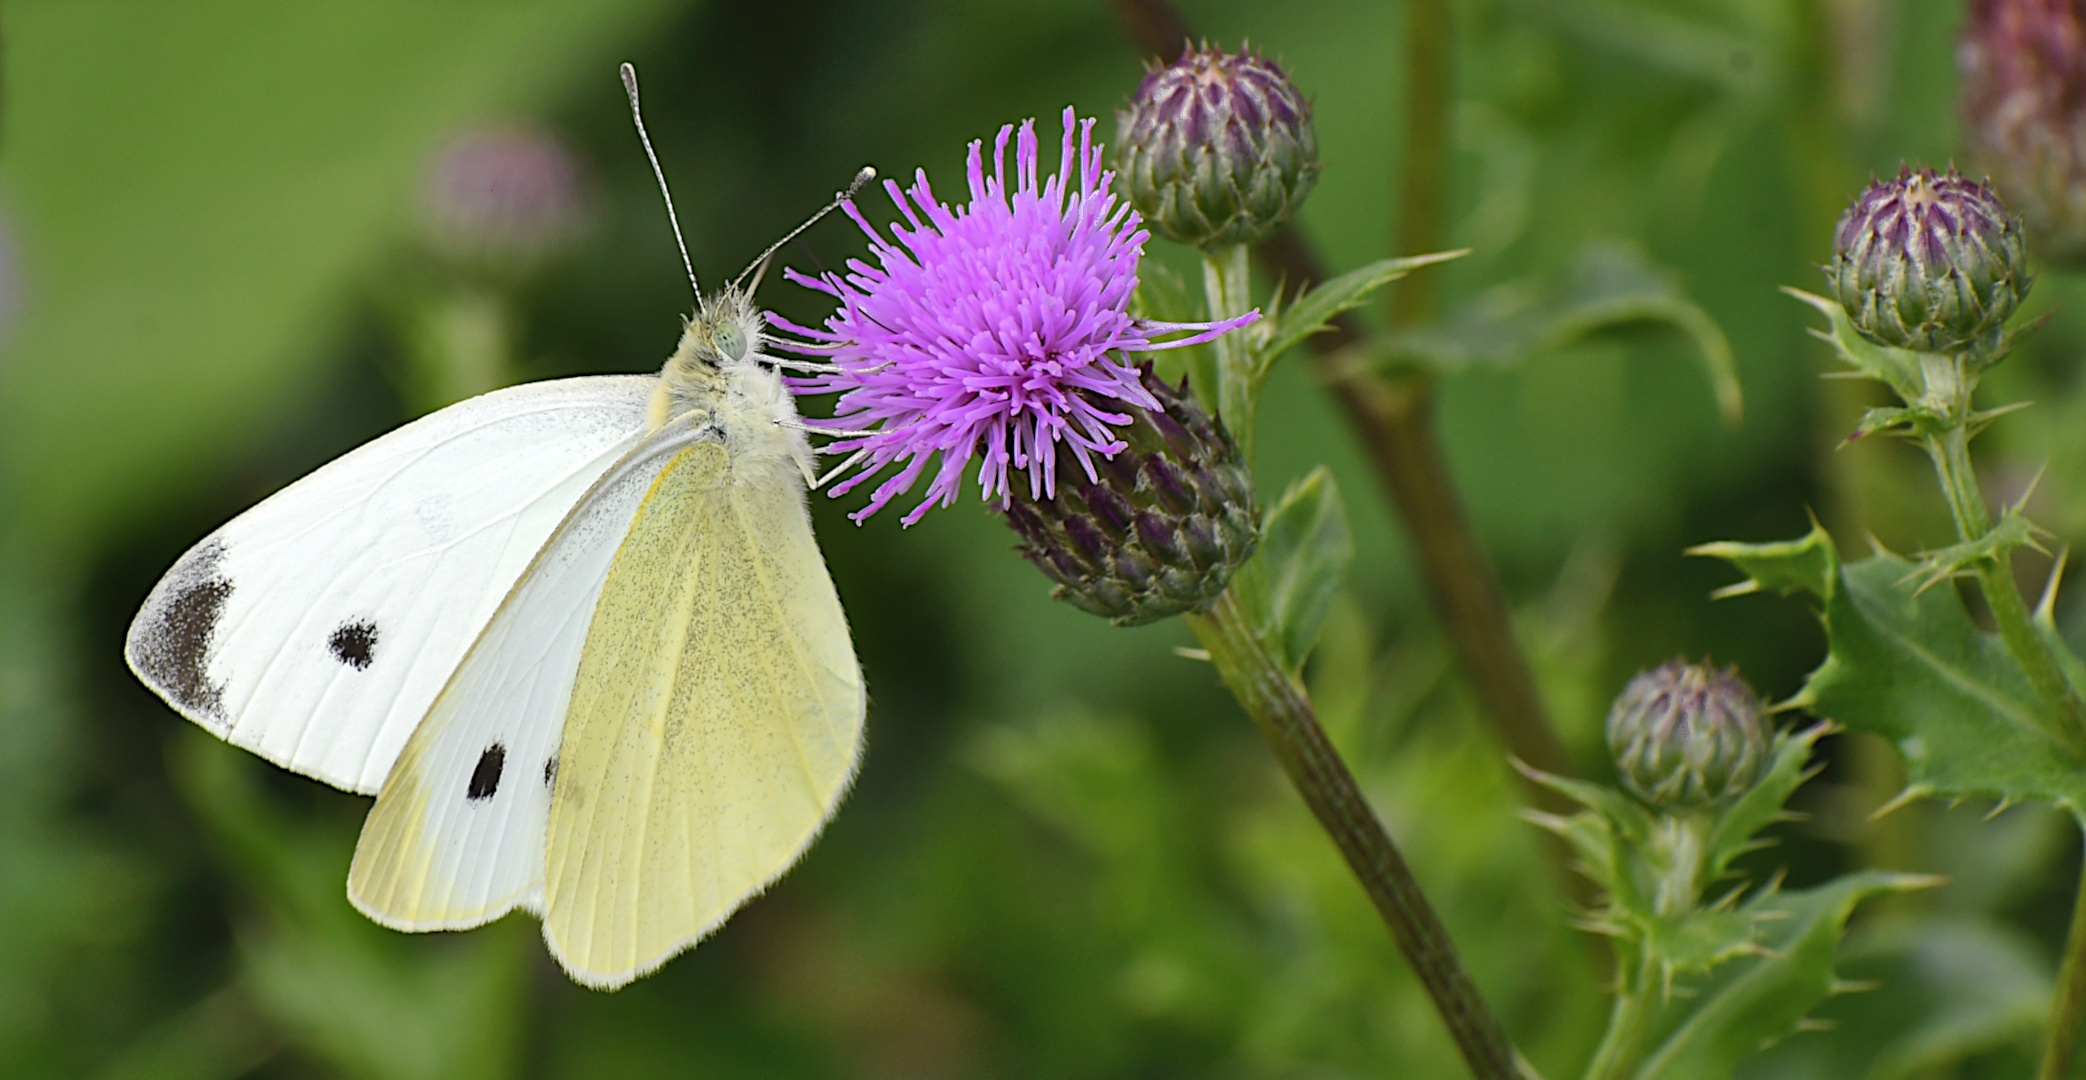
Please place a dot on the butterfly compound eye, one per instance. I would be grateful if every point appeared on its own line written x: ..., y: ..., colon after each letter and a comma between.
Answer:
x: 731, y: 341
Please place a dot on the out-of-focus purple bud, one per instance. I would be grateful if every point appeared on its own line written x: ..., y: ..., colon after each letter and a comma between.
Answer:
x: 503, y: 199
x: 2024, y: 113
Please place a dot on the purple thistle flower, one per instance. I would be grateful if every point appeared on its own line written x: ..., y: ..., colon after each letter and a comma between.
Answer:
x: 504, y: 197
x: 997, y: 328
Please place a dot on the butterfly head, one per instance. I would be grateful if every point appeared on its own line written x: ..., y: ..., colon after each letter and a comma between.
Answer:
x: 727, y: 332
x: 723, y: 340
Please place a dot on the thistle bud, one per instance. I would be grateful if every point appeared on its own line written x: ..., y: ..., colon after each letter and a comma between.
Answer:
x: 1928, y: 262
x: 1688, y: 736
x: 1216, y: 148
x: 1161, y: 529
x: 2024, y: 113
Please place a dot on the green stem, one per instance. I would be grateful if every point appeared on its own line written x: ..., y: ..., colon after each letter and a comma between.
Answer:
x: 2068, y: 1007
x: 1628, y: 1024
x: 1283, y: 713
x: 458, y: 344
x: 1682, y: 842
x: 1227, y: 280
x: 1430, y: 44
x: 1950, y: 450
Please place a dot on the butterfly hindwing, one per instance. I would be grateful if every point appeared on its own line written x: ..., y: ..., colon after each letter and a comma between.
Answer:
x: 316, y: 628
x: 456, y: 836
x: 715, y: 723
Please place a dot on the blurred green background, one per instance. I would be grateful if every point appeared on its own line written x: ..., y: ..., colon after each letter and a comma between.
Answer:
x: 1067, y: 854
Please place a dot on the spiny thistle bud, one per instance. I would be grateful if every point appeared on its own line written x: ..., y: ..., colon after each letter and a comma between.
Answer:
x: 1161, y: 528
x: 2024, y: 113
x: 1928, y: 262
x: 1688, y: 736
x: 1217, y: 148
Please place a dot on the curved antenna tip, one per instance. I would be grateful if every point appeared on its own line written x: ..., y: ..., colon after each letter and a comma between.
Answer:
x: 862, y: 177
x: 637, y: 117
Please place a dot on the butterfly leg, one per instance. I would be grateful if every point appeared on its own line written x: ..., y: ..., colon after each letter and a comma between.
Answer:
x: 815, y: 483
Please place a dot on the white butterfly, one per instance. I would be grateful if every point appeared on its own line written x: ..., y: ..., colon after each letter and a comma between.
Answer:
x: 575, y: 635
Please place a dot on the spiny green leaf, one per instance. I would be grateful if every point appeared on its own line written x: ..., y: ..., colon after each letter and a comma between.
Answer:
x: 1897, y: 368
x: 1893, y: 420
x: 1913, y: 667
x: 2013, y: 530
x: 1702, y: 939
x: 1611, y: 288
x: 1603, y: 836
x: 1312, y: 311
x: 1751, y: 1002
x: 1731, y: 833
x: 1305, y: 546
x: 1786, y: 566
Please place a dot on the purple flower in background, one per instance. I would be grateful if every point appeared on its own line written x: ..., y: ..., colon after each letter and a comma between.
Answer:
x: 997, y: 328
x: 2024, y: 113
x: 506, y: 196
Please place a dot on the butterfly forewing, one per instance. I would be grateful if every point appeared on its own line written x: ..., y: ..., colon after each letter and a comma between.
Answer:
x: 716, y: 720
x: 316, y: 628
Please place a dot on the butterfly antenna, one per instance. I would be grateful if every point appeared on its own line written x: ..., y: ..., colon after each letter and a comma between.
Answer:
x: 637, y: 116
x: 867, y: 174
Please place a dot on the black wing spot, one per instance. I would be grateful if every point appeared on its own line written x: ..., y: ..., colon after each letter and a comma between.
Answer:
x: 354, y: 644
x: 171, y: 644
x: 485, y: 779
x: 550, y: 771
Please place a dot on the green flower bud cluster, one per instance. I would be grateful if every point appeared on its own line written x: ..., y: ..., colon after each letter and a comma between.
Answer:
x: 1688, y: 736
x: 1929, y: 262
x: 1160, y: 530
x: 1216, y: 148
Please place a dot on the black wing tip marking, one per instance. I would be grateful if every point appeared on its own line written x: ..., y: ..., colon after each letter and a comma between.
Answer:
x: 354, y: 644
x: 170, y: 643
x: 550, y: 772
x: 485, y: 779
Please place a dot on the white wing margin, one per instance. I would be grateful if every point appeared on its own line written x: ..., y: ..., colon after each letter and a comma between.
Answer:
x: 317, y: 628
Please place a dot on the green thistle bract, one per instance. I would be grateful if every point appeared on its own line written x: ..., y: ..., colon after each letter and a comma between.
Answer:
x: 1160, y: 529
x: 1929, y: 262
x: 1216, y: 148
x: 1688, y: 736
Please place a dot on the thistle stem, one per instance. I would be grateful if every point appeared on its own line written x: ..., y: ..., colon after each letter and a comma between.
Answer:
x: 1227, y: 281
x: 2068, y: 1007
x: 1628, y: 1024
x: 1430, y: 45
x: 1950, y: 450
x: 1282, y: 711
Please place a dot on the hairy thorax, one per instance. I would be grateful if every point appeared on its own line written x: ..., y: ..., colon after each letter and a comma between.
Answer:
x: 716, y: 370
